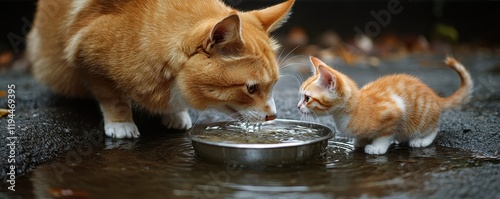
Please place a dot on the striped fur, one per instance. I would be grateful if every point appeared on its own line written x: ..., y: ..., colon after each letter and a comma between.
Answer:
x: 393, y: 108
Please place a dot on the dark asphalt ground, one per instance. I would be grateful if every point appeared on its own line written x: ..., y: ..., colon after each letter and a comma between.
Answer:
x: 48, y: 125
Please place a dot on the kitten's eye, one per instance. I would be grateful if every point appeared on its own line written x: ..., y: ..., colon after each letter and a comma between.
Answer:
x: 307, y: 98
x: 252, y: 88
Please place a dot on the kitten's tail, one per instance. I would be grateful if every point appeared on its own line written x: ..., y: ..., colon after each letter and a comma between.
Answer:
x: 463, y: 94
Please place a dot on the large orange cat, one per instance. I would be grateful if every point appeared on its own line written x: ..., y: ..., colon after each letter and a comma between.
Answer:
x: 160, y: 55
x: 393, y: 108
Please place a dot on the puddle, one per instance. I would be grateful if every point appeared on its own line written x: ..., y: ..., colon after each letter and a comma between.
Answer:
x: 166, y: 167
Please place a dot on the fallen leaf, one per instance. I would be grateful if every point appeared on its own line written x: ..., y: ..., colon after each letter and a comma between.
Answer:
x: 348, y: 57
x: 6, y: 58
x: 3, y: 112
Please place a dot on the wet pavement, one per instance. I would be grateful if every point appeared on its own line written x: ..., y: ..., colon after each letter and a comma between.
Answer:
x: 61, y: 148
x: 166, y: 167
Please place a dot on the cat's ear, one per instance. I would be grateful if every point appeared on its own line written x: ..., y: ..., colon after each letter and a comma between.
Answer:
x: 225, y: 36
x: 272, y: 17
x: 326, y: 79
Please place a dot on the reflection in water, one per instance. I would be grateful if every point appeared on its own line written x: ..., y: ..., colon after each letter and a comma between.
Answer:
x: 119, y: 144
x: 166, y: 167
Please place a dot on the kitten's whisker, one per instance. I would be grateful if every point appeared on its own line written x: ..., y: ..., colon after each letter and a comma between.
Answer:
x: 310, y: 117
x: 304, y: 117
x: 315, y: 117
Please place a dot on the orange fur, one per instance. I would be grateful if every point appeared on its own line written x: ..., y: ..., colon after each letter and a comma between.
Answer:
x: 162, y: 55
x: 395, y: 107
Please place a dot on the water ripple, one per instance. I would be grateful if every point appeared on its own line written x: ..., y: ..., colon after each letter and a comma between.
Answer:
x: 178, y: 153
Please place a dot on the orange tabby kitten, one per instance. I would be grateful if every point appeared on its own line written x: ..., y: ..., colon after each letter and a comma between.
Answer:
x: 161, y: 55
x: 392, y: 108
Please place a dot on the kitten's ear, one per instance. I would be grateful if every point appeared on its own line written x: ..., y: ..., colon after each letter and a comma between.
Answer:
x: 225, y: 36
x: 272, y: 17
x: 326, y: 79
x: 316, y: 62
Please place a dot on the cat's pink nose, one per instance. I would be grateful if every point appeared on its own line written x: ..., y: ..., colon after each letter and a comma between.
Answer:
x: 270, y: 117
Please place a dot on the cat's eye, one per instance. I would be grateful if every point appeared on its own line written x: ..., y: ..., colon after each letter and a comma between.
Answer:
x: 307, y: 98
x: 252, y: 88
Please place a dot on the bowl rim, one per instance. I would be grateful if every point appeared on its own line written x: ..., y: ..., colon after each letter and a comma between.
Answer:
x: 260, y: 146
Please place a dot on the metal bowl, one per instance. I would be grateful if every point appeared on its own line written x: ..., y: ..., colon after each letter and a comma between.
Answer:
x: 261, y: 154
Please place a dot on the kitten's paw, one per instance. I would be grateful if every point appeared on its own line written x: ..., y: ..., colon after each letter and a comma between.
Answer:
x: 425, y: 141
x: 375, y: 150
x: 121, y: 130
x: 180, y: 120
x: 419, y: 142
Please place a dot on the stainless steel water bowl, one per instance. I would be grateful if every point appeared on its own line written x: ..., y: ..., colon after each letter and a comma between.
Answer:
x: 283, y: 153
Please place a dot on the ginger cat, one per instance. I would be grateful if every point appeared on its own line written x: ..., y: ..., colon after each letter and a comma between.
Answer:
x: 160, y: 55
x: 393, y: 108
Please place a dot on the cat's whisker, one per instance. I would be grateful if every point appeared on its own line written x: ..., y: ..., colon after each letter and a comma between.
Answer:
x: 250, y: 120
x: 284, y: 63
x: 199, y: 116
x: 281, y: 53
x: 228, y: 122
x: 235, y: 116
x: 291, y: 67
x: 286, y: 59
x: 293, y: 71
x: 297, y: 77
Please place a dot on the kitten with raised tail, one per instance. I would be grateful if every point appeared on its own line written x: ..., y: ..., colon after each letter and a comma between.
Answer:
x: 164, y: 56
x: 393, y: 108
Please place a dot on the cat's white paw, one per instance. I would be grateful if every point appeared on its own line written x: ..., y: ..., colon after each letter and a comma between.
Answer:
x: 121, y: 130
x: 375, y: 150
x: 180, y: 120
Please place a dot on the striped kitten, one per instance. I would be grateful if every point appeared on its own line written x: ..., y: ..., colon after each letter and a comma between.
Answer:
x: 393, y: 108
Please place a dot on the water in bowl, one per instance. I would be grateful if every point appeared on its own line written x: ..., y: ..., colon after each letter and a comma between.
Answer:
x: 258, y: 133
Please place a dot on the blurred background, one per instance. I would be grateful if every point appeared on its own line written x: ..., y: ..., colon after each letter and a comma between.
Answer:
x: 354, y: 30
x: 365, y: 39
